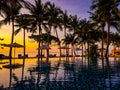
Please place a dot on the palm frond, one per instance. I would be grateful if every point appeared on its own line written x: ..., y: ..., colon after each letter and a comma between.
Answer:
x: 4, y: 22
x: 17, y: 31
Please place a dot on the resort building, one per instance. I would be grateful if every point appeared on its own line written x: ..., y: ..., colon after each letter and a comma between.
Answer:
x: 115, y: 52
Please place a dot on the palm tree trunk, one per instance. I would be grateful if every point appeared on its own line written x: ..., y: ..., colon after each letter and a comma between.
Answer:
x: 24, y: 43
x: 85, y: 49
x: 68, y: 51
x: 48, y: 52
x: 85, y: 54
x: 65, y: 43
x: 49, y: 33
x: 24, y: 54
x: 88, y: 51
x: 39, y: 39
x: 114, y: 50
x: 12, y: 38
x: 108, y: 41
x: 88, y: 55
x: 102, y: 46
x: 74, y: 50
x: 82, y: 54
x: 71, y: 50
x: 59, y: 41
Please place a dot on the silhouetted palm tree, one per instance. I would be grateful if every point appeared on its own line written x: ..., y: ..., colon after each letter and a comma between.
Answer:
x: 74, y: 23
x: 70, y: 39
x: 37, y: 12
x: 84, y: 32
x: 43, y: 37
x: 103, y: 12
x: 10, y: 11
x: 3, y: 5
x: 54, y: 18
x: 23, y: 22
x: 65, y: 23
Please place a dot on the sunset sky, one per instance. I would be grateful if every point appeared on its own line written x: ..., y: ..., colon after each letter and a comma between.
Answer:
x: 74, y: 7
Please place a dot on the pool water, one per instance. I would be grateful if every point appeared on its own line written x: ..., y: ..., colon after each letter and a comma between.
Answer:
x: 65, y: 73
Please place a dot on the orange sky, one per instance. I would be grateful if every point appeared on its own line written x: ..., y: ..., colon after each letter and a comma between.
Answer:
x: 31, y: 45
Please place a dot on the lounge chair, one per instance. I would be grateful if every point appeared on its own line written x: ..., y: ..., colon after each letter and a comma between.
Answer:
x: 6, y: 57
x: 77, y: 55
x: 40, y: 56
x: 26, y: 55
x: 52, y: 55
x: 70, y: 55
x: 20, y: 56
x: 63, y: 55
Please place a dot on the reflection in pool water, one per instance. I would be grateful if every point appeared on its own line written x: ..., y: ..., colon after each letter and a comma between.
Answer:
x: 65, y: 73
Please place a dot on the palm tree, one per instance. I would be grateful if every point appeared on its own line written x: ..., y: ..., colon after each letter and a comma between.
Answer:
x: 37, y: 12
x: 70, y: 39
x: 84, y: 32
x: 74, y: 23
x: 2, y: 6
x: 54, y: 19
x: 10, y: 12
x: 97, y: 19
x: 43, y: 37
x: 65, y: 22
x: 23, y: 22
x: 104, y: 11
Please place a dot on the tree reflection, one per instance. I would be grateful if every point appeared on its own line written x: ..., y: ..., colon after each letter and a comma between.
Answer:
x: 75, y: 76
x: 56, y: 68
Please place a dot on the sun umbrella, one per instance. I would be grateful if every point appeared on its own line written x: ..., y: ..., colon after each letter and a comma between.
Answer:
x: 15, y: 45
x: 44, y: 47
x: 65, y: 48
x: 78, y: 49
